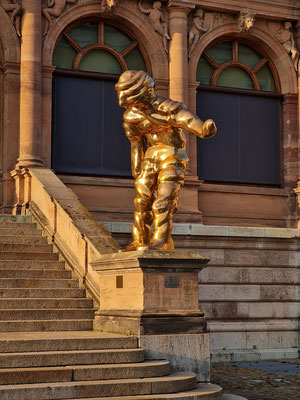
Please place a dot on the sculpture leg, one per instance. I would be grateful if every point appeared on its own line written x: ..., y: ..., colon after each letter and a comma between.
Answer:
x: 143, y: 216
x: 164, y: 206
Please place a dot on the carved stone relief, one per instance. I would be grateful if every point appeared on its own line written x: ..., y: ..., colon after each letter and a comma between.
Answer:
x: 286, y: 38
x: 14, y: 9
x: 107, y: 7
x: 197, y: 29
x: 53, y: 10
x: 157, y: 21
x: 201, y: 22
x: 245, y: 22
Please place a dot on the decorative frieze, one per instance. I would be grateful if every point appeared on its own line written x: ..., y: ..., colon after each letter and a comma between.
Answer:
x: 53, y: 10
x: 158, y: 21
x: 14, y: 9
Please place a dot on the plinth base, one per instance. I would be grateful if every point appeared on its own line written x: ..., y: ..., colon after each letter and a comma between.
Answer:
x: 129, y: 323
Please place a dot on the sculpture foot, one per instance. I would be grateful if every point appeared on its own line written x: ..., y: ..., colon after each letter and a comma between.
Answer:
x: 158, y: 245
x: 131, y: 247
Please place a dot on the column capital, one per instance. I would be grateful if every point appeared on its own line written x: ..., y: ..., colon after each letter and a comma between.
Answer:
x: 182, y: 5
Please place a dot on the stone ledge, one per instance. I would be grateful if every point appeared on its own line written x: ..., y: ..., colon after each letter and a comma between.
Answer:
x: 214, y: 230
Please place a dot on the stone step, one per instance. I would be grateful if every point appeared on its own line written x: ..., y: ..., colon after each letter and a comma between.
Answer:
x: 228, y: 292
x: 20, y: 231
x: 17, y: 225
x: 46, y: 325
x: 37, y: 283
x: 67, y: 358
x: 201, y: 392
x: 15, y: 218
x: 262, y: 275
x: 35, y: 273
x: 47, y: 314
x: 64, y: 341
x: 238, y: 310
x: 25, y: 248
x: 40, y: 292
x: 44, y: 303
x: 252, y: 257
x: 31, y: 264
x: 23, y: 255
x: 147, y: 369
x: 23, y: 239
x: 179, y: 381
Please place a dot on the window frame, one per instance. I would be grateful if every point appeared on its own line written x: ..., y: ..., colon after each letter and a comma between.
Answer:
x: 81, y: 52
x: 218, y: 68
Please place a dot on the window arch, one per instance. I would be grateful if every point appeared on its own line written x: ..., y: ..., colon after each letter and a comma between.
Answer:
x: 239, y: 88
x: 87, y: 134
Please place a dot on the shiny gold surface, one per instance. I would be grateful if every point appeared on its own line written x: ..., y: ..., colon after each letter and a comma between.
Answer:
x: 154, y: 125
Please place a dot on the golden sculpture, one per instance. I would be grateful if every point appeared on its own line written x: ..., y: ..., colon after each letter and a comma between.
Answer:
x: 158, y: 156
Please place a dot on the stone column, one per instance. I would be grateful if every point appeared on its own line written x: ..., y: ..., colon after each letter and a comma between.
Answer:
x: 297, y: 168
x: 178, y: 67
x: 179, y: 90
x: 30, y: 85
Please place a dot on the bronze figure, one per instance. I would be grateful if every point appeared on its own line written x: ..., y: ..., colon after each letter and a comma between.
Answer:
x: 154, y: 125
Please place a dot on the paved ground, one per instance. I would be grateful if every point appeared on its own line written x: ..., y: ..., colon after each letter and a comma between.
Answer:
x: 260, y: 381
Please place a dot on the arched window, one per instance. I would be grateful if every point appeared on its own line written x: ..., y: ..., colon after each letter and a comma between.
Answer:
x: 240, y: 90
x: 88, y: 137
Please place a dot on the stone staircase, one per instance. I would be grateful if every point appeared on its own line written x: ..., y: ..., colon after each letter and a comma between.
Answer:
x: 48, y: 349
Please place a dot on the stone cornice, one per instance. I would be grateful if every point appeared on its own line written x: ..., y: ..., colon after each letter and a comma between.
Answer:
x: 261, y: 8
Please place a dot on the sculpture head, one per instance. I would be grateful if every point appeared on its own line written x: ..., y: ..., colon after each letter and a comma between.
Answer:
x: 199, y: 13
x: 157, y: 5
x: 135, y: 88
x: 287, y: 26
x: 245, y: 22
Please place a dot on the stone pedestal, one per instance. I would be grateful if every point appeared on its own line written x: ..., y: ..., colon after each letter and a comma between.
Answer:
x: 154, y: 295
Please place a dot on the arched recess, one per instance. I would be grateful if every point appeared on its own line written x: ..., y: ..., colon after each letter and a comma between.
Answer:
x: 269, y: 44
x: 132, y: 22
x: 281, y: 61
x: 127, y: 17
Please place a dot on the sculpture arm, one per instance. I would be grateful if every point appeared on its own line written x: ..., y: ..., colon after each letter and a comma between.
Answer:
x: 144, y: 10
x: 51, y: 3
x: 137, y: 153
x: 200, y: 26
x: 191, y: 122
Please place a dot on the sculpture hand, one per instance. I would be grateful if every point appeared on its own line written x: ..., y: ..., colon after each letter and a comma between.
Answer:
x: 209, y: 128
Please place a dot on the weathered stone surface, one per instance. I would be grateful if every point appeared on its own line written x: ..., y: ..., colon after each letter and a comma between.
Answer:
x: 186, y: 352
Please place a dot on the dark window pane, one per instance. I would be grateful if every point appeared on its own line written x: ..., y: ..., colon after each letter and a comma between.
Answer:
x: 248, y: 56
x: 135, y: 60
x: 218, y: 157
x: 266, y: 79
x: 260, y: 140
x: 85, y: 34
x: 88, y: 137
x: 64, y: 55
x: 221, y: 52
x: 235, y: 77
x: 115, y: 38
x: 246, y: 148
x: 204, y: 71
x: 100, y: 61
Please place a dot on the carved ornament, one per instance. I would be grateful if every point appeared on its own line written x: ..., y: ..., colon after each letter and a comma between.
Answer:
x: 107, y: 7
x: 54, y: 9
x: 245, y: 22
x: 157, y: 21
x: 285, y: 36
x: 14, y: 10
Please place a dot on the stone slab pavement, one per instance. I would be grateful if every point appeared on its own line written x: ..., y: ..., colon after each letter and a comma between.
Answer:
x: 264, y: 380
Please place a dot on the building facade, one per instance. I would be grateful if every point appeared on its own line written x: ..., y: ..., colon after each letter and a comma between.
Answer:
x: 233, y: 61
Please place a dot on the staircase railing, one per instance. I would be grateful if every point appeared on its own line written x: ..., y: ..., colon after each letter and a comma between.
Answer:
x: 75, y: 233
